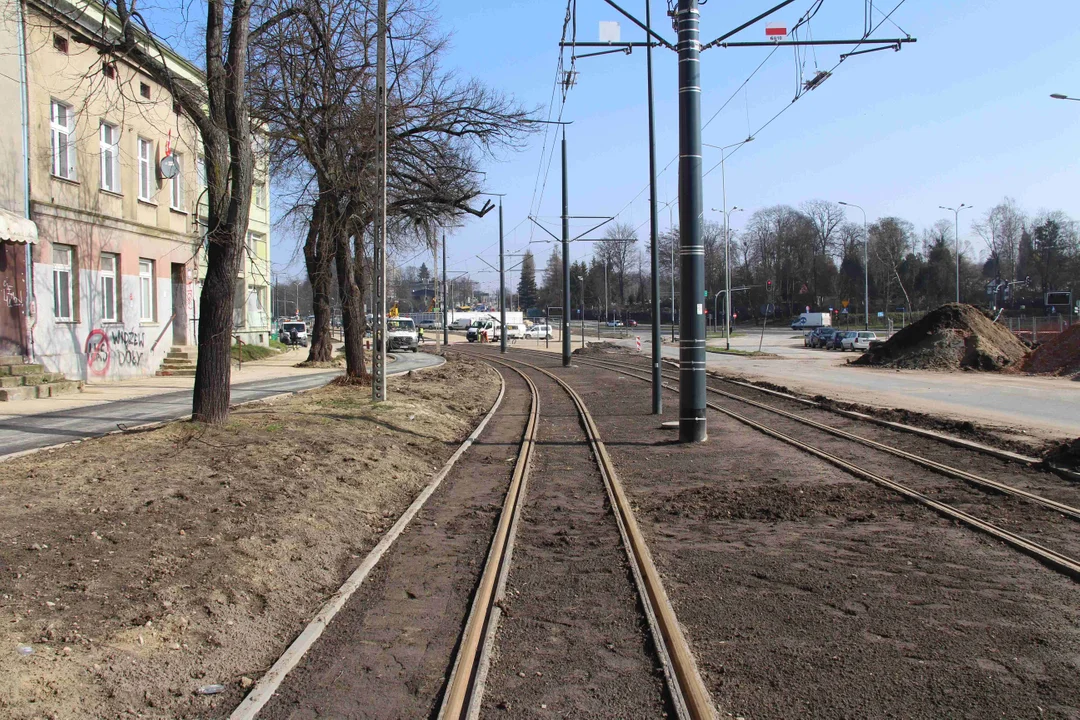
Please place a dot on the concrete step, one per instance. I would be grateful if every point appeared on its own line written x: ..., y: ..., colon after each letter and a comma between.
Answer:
x: 177, y: 363
x: 25, y: 369
x: 11, y: 360
x: 23, y: 392
x: 184, y: 349
x: 63, y: 387
x: 191, y: 355
x: 10, y: 381
x: 176, y: 372
x: 35, y: 379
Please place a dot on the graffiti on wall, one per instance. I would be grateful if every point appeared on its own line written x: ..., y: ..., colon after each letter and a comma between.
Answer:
x: 124, y: 348
x: 10, y: 296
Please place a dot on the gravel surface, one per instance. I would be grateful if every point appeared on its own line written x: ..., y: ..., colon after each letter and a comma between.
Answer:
x: 806, y: 592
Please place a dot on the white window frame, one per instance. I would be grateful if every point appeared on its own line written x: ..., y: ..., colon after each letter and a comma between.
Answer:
x: 260, y: 194
x: 176, y: 190
x: 109, y: 143
x: 146, y: 170
x: 200, y: 170
x: 63, y: 282
x: 146, y: 290
x: 110, y: 291
x: 63, y: 139
x: 253, y: 238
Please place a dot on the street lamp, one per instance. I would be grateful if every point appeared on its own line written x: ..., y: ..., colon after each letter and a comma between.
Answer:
x: 727, y: 272
x: 727, y: 276
x: 866, y: 265
x: 581, y: 281
x: 1059, y: 96
x: 956, y: 231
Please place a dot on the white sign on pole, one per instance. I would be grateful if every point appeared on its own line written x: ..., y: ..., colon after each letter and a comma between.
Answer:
x: 609, y: 31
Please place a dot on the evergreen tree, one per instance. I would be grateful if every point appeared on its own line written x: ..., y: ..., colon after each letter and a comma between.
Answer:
x: 551, y: 289
x: 423, y: 274
x: 527, y: 293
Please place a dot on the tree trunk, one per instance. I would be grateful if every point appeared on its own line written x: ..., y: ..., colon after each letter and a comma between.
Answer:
x: 360, y: 265
x: 318, y: 254
x: 212, y: 393
x: 352, y: 317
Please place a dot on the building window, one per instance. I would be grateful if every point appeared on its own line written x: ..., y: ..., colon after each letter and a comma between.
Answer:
x: 257, y: 306
x: 146, y: 170
x: 109, y: 69
x: 257, y: 245
x: 144, y: 90
x: 63, y: 274
x: 60, y: 43
x: 110, y: 157
x: 146, y: 290
x: 63, y: 140
x: 200, y: 169
x: 109, y: 263
x: 176, y: 199
x: 260, y: 194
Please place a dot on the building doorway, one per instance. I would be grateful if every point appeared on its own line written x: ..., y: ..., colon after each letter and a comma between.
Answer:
x: 180, y: 301
x: 13, y: 299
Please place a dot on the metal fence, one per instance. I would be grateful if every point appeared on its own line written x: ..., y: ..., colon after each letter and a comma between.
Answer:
x: 1036, y: 328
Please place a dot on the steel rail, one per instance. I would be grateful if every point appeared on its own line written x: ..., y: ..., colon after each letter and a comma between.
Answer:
x: 1051, y: 558
x: 463, y: 690
x: 942, y: 468
x: 685, y: 684
x: 927, y: 463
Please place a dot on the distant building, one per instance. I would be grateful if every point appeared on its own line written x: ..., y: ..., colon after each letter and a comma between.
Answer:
x: 119, y: 257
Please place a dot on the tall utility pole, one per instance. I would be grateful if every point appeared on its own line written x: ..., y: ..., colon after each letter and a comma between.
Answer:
x: 502, y: 284
x: 865, y: 263
x: 654, y: 231
x: 565, y: 256
x: 445, y: 328
x: 956, y: 231
x: 692, y: 420
x: 378, y: 355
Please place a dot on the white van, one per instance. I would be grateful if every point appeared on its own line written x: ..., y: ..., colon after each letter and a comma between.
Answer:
x: 515, y: 331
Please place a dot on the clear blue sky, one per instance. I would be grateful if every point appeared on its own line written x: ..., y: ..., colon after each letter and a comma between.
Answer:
x: 963, y: 115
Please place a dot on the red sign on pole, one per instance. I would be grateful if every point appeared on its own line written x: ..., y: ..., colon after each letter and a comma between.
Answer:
x: 776, y: 31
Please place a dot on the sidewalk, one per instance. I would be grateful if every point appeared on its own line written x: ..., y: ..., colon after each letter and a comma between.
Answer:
x: 278, y: 366
x: 1036, y: 408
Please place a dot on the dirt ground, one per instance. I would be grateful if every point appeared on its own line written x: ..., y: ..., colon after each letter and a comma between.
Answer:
x: 805, y: 592
x: 136, y: 569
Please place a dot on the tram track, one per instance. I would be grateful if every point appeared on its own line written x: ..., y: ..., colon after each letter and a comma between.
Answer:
x: 1057, y: 561
x: 464, y: 695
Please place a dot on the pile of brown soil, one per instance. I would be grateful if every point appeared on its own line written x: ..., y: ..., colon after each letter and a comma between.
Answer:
x: 953, y: 337
x: 1059, y: 356
x: 603, y: 348
x: 1065, y: 457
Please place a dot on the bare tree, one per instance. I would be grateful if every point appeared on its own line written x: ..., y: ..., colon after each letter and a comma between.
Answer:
x: 220, y: 111
x: 826, y: 218
x: 1001, y: 229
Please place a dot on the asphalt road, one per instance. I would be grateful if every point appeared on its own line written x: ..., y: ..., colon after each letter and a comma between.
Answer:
x: 36, y: 431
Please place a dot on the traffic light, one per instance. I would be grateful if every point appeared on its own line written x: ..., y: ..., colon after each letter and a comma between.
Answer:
x: 706, y: 293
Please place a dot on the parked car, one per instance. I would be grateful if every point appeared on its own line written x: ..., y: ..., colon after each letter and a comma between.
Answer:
x: 614, y: 323
x: 293, y: 332
x: 631, y: 323
x: 431, y: 324
x: 820, y: 336
x: 861, y: 341
x: 837, y: 339
x: 539, y: 332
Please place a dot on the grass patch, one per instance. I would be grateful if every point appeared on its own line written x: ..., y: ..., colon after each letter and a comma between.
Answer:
x: 745, y: 353
x: 247, y: 352
x: 276, y: 344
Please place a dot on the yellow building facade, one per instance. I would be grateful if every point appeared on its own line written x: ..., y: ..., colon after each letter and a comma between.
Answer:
x: 116, y: 185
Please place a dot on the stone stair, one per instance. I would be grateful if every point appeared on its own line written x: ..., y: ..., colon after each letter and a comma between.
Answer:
x: 179, y: 362
x: 25, y: 381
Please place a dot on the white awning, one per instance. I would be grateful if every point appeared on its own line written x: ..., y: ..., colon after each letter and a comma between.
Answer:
x: 15, y: 228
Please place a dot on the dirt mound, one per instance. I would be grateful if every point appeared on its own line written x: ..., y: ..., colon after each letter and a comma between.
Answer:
x: 1059, y: 356
x: 1065, y: 460
x: 953, y: 337
x: 603, y: 348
